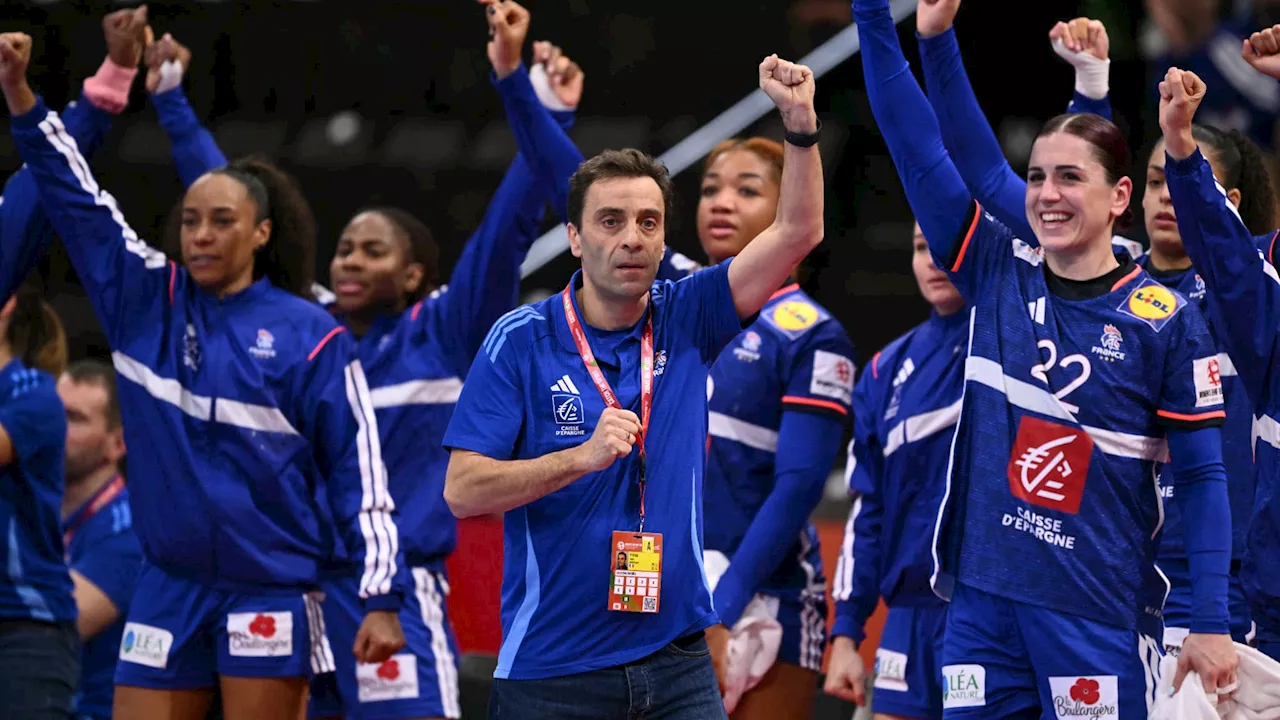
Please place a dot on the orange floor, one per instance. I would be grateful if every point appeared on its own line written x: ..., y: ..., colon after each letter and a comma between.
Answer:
x: 475, y: 576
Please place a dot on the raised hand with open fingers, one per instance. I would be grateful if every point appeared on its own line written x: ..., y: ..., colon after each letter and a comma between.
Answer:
x: 1180, y: 94
x: 934, y: 17
x: 125, y: 33
x: 508, y: 26
x: 1262, y: 51
x: 790, y: 86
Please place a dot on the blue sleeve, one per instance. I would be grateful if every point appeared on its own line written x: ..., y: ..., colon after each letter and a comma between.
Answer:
x: 122, y: 275
x: 942, y: 204
x: 968, y: 136
x: 540, y: 138
x: 194, y: 150
x: 339, y: 423
x: 112, y: 563
x: 1084, y: 104
x: 1201, y: 487
x: 489, y: 416
x: 1243, y: 288
x: 25, y: 231
x: 35, y: 420
x: 485, y: 282
x: 822, y: 374
x: 800, y: 474
x: 856, y: 587
x: 703, y: 303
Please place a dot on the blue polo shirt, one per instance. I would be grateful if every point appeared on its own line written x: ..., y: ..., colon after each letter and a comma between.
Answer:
x: 528, y: 394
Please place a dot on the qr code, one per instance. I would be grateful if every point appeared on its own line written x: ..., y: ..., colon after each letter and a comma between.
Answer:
x: 651, y: 604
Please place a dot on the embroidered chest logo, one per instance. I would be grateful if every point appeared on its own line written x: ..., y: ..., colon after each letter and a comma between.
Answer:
x: 191, y: 349
x: 1199, y: 291
x: 566, y: 407
x: 264, y: 349
x: 749, y: 350
x: 659, y: 363
x: 904, y: 372
x: 1109, y: 348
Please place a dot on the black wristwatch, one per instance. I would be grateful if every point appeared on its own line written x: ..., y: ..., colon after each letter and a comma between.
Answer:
x: 805, y: 139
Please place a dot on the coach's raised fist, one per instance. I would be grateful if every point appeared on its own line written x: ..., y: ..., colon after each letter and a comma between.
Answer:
x: 616, y: 433
x: 508, y: 27
x: 934, y: 17
x: 790, y: 86
x: 15, y: 55
x: 1262, y: 51
x: 125, y: 33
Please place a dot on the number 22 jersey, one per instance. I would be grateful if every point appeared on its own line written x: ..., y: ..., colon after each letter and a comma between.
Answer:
x: 1052, y: 498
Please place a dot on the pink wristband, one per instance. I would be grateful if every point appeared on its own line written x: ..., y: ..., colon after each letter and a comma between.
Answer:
x: 109, y: 88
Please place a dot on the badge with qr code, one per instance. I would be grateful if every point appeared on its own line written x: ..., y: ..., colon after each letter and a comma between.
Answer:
x: 635, y: 563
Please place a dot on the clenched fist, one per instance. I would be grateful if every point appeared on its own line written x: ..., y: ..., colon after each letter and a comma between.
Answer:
x: 165, y: 51
x: 1081, y: 35
x: 508, y: 26
x: 1180, y: 94
x: 564, y: 77
x: 125, y: 33
x: 934, y: 17
x: 790, y: 86
x: 15, y: 55
x: 615, y: 435
x: 379, y: 637
x: 1262, y: 51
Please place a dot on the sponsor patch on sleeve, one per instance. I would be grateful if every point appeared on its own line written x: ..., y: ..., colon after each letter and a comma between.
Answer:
x: 832, y: 376
x: 1208, y: 381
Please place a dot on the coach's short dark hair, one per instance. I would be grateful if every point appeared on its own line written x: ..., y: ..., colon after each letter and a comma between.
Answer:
x: 612, y: 164
x: 96, y: 372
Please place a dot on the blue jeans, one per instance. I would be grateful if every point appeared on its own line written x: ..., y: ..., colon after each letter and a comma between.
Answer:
x: 675, y: 683
x: 39, y: 669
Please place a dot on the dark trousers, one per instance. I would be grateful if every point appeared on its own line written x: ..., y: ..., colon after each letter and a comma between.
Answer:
x: 39, y: 669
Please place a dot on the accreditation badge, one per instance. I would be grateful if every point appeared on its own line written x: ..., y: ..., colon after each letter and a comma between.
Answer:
x: 635, y: 562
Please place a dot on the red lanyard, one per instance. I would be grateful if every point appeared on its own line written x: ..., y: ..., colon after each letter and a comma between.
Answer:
x: 109, y: 492
x: 606, y: 392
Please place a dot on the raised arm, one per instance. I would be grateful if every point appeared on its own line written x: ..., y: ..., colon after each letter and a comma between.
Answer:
x: 942, y: 204
x: 194, y: 150
x: 25, y: 231
x: 124, y: 277
x: 1243, y: 288
x: 759, y: 270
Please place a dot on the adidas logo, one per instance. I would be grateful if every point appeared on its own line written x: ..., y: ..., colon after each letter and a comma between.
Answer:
x: 565, y: 385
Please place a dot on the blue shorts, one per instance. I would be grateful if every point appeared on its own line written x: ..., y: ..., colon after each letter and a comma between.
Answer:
x: 420, y: 681
x: 181, y: 635
x: 909, y: 663
x: 1005, y: 659
x: 803, y: 617
x: 1269, y: 640
x: 1177, y: 607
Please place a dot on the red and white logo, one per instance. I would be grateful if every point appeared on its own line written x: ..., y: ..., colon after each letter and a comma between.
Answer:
x: 260, y: 634
x: 1049, y: 464
x: 395, y: 678
x: 1207, y: 372
x: 1090, y: 698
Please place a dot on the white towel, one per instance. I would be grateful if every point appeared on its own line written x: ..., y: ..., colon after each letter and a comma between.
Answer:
x: 1256, y: 698
x: 753, y: 641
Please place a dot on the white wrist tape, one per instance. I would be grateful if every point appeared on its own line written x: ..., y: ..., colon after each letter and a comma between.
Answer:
x: 542, y: 86
x: 170, y: 76
x: 1093, y: 76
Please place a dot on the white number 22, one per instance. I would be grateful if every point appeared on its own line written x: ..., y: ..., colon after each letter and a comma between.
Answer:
x: 1038, y: 371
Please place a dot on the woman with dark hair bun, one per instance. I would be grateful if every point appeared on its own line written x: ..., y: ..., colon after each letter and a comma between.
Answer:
x: 1083, y: 374
x: 252, y: 410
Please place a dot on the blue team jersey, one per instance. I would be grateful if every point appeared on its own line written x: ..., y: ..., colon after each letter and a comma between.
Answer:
x: 102, y: 546
x: 795, y: 356
x: 528, y: 394
x: 905, y: 409
x: 36, y: 585
x: 1052, y: 498
x: 1244, y: 302
x: 263, y: 456
x: 1237, y: 432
